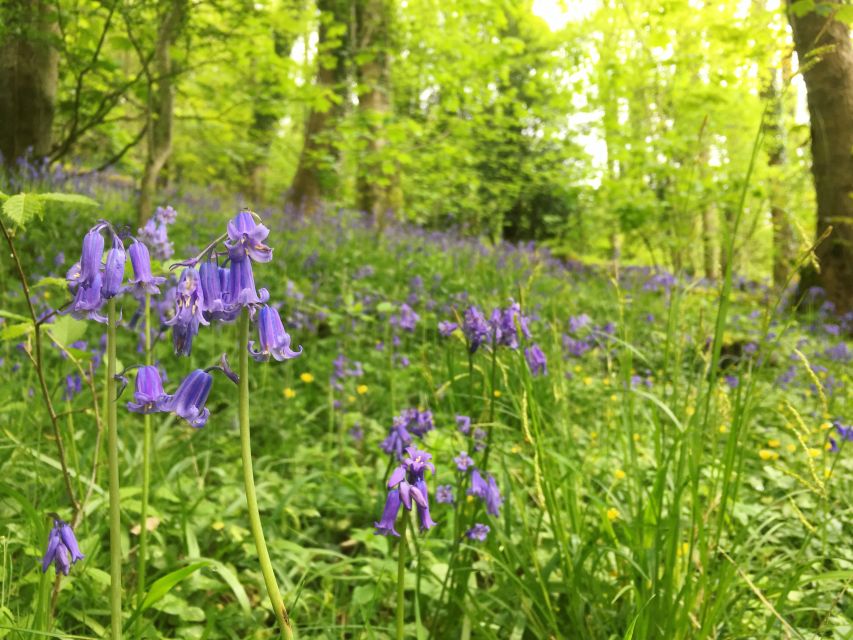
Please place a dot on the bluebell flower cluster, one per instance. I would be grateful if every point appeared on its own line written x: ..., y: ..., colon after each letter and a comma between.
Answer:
x: 62, y: 548
x: 504, y: 327
x: 410, y: 422
x: 407, y: 487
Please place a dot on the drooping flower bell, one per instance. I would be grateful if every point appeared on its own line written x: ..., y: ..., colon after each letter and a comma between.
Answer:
x: 504, y: 325
x: 189, y: 303
x: 93, y: 251
x: 274, y: 340
x: 241, y: 285
x: 408, y: 487
x: 62, y: 548
x: 149, y: 395
x: 88, y: 301
x: 487, y: 491
x: 211, y: 286
x: 114, y: 270
x: 188, y: 401
x: 475, y: 328
x: 536, y: 360
x: 246, y: 238
x: 143, y: 280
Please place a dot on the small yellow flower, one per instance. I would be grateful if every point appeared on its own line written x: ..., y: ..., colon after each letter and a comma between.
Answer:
x: 361, y: 389
x: 773, y: 443
x: 469, y: 498
x: 497, y: 393
x: 350, y: 399
x: 683, y: 550
x: 612, y: 514
x: 587, y: 380
x: 593, y: 434
x: 791, y: 447
x: 814, y: 453
x: 826, y: 426
x: 690, y: 411
x: 828, y: 446
x: 516, y: 448
x: 619, y: 474
x: 289, y: 393
x: 614, y: 398
x: 607, y: 381
x: 724, y: 428
x: 636, y: 437
x: 827, y: 473
x: 307, y: 378
x: 218, y: 525
x: 578, y: 368
x: 767, y: 454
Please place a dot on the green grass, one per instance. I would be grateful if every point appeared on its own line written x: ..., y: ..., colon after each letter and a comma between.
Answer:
x: 682, y: 509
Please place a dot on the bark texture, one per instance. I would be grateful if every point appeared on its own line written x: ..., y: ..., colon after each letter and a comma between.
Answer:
x: 29, y: 67
x: 316, y: 175
x: 161, y: 98
x: 829, y: 85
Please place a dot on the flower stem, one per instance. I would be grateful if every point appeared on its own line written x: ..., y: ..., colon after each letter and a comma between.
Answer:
x: 249, y: 481
x: 401, y: 576
x: 142, y: 557
x: 112, y: 447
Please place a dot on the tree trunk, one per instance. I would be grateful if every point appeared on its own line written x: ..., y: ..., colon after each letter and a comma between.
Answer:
x: 29, y: 68
x: 161, y: 99
x: 316, y: 174
x: 376, y: 174
x: 829, y: 86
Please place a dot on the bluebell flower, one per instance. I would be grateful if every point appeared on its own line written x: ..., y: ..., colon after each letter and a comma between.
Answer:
x: 398, y: 438
x: 536, y: 360
x: 114, y: 270
x: 446, y: 329
x: 93, y: 251
x: 149, y: 395
x: 408, y: 480
x: 189, y: 303
x: 241, y: 285
x: 463, y: 461
x: 155, y: 235
x: 246, y: 238
x: 211, y: 278
x: 73, y: 386
x: 388, y: 521
x: 143, y: 280
x: 475, y: 328
x: 165, y: 215
x: 444, y: 494
x: 576, y: 323
x: 407, y: 319
x: 88, y: 301
x: 463, y: 423
x: 478, y: 532
x: 188, y: 401
x: 62, y: 548
x: 274, y: 340
x: 504, y: 325
x: 487, y: 491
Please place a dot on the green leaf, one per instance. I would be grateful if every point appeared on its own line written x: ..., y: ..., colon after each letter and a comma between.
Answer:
x: 13, y: 316
x: 51, y: 281
x: 14, y: 331
x: 802, y: 7
x: 65, y: 330
x: 21, y: 208
x: 845, y: 14
x: 164, y: 585
x: 69, y: 198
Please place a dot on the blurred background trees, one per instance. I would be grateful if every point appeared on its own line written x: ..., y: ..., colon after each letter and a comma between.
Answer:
x: 610, y: 130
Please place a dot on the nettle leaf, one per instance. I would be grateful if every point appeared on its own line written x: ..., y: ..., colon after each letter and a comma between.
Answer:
x: 22, y: 208
x: 69, y: 198
x: 52, y: 281
x: 66, y: 330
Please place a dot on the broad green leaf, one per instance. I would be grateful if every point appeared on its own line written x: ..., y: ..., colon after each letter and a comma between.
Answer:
x: 14, y: 331
x: 845, y: 14
x: 802, y: 7
x: 22, y: 208
x: 69, y: 198
x: 65, y: 330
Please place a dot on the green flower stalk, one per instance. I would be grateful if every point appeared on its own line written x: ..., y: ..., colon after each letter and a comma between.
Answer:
x: 249, y: 481
x: 142, y: 559
x: 401, y: 578
x: 112, y: 449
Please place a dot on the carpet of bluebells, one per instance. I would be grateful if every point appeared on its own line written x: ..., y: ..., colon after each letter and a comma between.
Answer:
x: 613, y: 455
